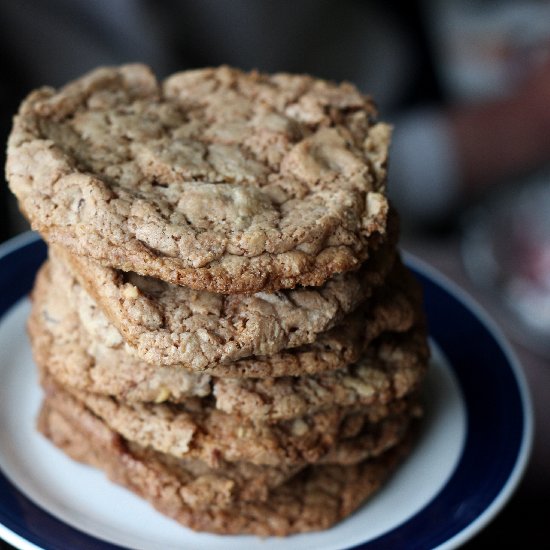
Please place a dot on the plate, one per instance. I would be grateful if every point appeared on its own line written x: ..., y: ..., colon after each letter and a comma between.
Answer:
x: 473, y: 448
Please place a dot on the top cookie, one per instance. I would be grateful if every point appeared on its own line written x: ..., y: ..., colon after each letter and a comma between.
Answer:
x: 215, y: 179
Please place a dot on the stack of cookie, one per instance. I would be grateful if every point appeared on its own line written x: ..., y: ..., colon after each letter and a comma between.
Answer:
x: 223, y: 325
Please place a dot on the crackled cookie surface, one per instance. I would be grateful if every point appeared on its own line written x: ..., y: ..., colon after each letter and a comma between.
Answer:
x: 95, y: 360
x: 169, y: 324
x: 196, y: 430
x: 59, y: 339
x: 214, y: 179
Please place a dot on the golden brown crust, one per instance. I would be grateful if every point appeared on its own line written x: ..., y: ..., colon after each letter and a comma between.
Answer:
x: 215, y: 179
x: 86, y: 353
x: 168, y: 324
x: 196, y: 430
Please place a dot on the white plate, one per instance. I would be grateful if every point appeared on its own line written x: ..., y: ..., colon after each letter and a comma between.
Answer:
x: 472, y: 451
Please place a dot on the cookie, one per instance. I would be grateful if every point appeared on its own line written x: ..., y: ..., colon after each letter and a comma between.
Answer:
x: 202, y: 486
x: 59, y: 340
x: 392, y: 367
x: 223, y: 486
x: 395, y: 306
x: 228, y: 482
x: 169, y: 324
x: 315, y: 499
x: 215, y: 179
x: 196, y: 430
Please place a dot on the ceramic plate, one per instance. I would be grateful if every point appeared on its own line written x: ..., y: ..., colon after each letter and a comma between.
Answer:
x: 472, y: 450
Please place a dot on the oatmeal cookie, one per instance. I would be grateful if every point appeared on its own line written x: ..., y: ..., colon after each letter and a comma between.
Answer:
x: 215, y: 179
x: 392, y: 367
x: 169, y: 324
x: 314, y: 499
x: 196, y: 430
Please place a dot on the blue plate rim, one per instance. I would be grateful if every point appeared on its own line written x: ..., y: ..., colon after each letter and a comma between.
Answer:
x: 23, y: 539
x: 526, y: 445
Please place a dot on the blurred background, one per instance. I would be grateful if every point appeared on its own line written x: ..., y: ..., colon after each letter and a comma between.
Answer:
x: 466, y: 84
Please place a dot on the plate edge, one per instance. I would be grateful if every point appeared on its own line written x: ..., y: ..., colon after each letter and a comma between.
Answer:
x: 524, y: 454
